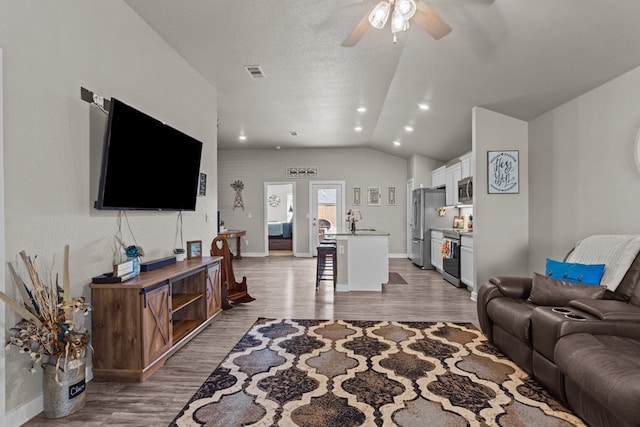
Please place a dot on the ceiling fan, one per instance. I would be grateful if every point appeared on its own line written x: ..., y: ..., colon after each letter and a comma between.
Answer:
x: 400, y: 12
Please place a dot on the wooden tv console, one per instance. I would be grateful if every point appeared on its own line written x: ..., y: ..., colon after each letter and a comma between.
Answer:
x: 139, y: 323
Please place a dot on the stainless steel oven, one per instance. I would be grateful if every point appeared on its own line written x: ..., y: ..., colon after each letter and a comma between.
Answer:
x: 451, y: 258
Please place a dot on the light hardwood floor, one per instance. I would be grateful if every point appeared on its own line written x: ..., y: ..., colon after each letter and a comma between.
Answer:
x: 284, y: 287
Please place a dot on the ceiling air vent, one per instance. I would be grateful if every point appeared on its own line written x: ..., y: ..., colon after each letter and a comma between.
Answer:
x: 255, y: 71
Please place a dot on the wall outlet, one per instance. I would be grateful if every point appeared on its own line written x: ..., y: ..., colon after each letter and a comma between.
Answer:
x: 341, y: 249
x: 249, y: 215
x: 246, y: 242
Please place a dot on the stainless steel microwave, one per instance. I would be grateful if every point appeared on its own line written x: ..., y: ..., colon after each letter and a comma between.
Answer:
x: 465, y: 191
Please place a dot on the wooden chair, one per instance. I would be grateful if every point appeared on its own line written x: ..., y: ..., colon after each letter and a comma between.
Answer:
x: 232, y: 291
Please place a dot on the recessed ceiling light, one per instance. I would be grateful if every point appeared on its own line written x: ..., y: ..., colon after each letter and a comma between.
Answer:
x: 358, y: 128
x: 423, y: 106
x: 396, y: 143
x: 408, y: 128
x: 293, y: 132
x: 278, y: 147
x: 242, y: 137
x: 362, y: 109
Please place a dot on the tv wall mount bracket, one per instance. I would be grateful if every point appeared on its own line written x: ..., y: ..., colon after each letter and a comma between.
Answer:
x: 93, y: 98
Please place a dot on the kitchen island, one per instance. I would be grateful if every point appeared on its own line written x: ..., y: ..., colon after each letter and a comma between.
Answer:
x: 363, y: 260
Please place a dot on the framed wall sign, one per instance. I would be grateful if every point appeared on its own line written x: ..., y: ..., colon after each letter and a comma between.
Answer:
x: 391, y: 196
x: 194, y: 249
x: 356, y: 196
x: 502, y: 172
x: 373, y: 196
x: 202, y: 187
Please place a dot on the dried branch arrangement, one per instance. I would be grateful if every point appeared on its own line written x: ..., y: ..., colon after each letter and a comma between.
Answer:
x: 53, y: 321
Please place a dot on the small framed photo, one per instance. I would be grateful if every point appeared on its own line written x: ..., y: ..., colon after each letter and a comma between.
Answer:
x: 202, y: 186
x: 391, y: 196
x: 194, y: 249
x: 373, y: 196
x: 357, y: 196
x: 502, y: 168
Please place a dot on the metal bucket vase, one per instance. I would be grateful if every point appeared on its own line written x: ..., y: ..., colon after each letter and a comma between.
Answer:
x: 66, y: 394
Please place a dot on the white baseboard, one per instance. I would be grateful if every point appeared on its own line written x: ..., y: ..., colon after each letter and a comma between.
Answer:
x: 24, y: 413
x: 33, y: 408
x: 254, y: 255
x: 342, y: 288
x: 263, y: 255
x: 398, y: 256
x: 305, y: 255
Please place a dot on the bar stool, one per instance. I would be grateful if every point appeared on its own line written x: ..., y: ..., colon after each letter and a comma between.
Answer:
x: 326, y: 260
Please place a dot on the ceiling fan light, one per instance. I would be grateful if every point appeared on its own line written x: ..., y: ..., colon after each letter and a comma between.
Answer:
x: 406, y: 7
x: 398, y: 22
x: 380, y: 14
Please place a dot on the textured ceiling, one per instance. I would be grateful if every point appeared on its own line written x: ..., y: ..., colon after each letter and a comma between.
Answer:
x: 517, y: 57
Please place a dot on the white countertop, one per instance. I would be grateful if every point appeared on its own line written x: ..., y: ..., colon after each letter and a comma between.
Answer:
x: 360, y: 233
x: 460, y: 231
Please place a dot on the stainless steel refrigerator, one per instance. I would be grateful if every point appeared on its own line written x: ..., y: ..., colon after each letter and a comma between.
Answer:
x: 425, y: 217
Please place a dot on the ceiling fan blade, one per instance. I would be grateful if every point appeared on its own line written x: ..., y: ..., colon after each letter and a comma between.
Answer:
x: 356, y: 34
x: 429, y: 21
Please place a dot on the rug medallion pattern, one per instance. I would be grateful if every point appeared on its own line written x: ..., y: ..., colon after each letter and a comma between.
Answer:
x: 317, y: 373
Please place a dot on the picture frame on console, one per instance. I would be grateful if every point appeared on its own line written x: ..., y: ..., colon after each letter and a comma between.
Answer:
x: 194, y: 249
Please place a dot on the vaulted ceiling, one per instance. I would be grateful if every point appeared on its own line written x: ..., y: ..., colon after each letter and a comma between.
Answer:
x: 517, y: 57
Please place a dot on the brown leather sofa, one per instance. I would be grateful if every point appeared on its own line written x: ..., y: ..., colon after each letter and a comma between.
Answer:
x: 586, y: 353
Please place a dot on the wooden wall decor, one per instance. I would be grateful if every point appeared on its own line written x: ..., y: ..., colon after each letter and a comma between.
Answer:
x: 238, y: 186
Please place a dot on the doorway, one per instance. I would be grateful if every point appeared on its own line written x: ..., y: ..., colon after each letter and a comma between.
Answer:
x: 327, y: 210
x: 279, y: 218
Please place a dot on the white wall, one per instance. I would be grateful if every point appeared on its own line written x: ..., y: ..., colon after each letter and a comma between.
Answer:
x: 278, y: 213
x: 420, y: 169
x: 357, y: 167
x: 583, y: 177
x: 501, y: 221
x: 50, y: 50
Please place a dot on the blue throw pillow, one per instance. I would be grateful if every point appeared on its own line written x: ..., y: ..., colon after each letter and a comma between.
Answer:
x: 586, y: 274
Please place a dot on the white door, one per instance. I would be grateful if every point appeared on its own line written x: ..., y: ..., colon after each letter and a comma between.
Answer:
x: 326, y: 211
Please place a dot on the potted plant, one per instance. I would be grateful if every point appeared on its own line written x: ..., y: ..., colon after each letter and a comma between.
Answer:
x: 52, y: 333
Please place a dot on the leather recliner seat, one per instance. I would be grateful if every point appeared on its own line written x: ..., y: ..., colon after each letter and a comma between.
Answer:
x: 589, y: 360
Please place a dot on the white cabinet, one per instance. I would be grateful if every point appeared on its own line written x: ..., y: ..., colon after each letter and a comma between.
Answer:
x: 452, y: 176
x: 436, y: 250
x: 366, y: 261
x: 466, y: 261
x: 438, y: 177
x: 466, y: 162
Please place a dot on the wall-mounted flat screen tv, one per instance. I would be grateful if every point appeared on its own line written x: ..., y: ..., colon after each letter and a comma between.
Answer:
x: 147, y: 164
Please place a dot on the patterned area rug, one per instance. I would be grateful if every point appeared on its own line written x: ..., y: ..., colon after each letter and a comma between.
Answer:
x: 396, y: 279
x: 316, y: 373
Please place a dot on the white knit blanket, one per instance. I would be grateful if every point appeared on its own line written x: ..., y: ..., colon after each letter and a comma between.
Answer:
x: 616, y: 252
